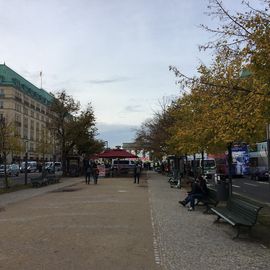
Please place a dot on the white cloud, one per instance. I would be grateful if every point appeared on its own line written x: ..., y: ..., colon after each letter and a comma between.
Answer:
x: 113, y: 53
x: 116, y: 134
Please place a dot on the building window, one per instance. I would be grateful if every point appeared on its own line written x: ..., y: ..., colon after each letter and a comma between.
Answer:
x: 2, y: 92
x: 18, y: 120
x: 18, y: 131
x: 37, y: 131
x: 32, y: 135
x: 17, y: 117
x: 37, y: 107
x: 25, y: 133
x: 26, y: 101
x: 32, y: 114
x: 25, y: 122
x: 1, y: 104
x: 18, y: 107
x: 18, y: 96
x: 25, y: 111
x: 32, y: 125
x: 31, y: 147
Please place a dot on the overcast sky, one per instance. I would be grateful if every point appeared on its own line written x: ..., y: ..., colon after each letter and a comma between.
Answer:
x: 112, y: 53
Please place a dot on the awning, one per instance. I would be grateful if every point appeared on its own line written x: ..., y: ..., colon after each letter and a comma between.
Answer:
x: 116, y: 153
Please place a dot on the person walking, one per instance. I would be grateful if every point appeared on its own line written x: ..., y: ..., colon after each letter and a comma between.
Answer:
x: 88, y: 171
x: 137, y: 173
x: 95, y: 172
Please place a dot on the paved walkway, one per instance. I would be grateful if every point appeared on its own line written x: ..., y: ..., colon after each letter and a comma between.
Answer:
x: 190, y: 240
x: 99, y: 227
x: 117, y: 225
x: 13, y: 197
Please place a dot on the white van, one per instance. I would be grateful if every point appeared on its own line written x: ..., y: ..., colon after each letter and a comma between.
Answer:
x: 31, y: 166
x: 57, y: 166
x: 209, y: 165
x: 122, y: 165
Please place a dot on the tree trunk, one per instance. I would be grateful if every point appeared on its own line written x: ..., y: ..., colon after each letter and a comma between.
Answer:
x: 194, y: 166
x: 202, y: 172
x: 5, y: 170
x: 64, y: 157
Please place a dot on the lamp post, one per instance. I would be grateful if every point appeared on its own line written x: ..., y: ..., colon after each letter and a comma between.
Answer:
x: 268, y: 147
x: 25, y: 163
x: 54, y: 151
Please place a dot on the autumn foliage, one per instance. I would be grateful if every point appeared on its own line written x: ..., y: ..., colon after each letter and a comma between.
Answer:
x: 228, y: 101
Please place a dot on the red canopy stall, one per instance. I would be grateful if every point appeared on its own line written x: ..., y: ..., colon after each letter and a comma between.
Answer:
x: 116, y: 153
x: 118, y: 166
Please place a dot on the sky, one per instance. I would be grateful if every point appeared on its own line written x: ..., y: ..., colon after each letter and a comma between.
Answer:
x: 113, y: 53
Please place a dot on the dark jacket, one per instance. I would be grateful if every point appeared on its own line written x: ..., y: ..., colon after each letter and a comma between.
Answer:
x: 137, y: 169
x: 199, y: 187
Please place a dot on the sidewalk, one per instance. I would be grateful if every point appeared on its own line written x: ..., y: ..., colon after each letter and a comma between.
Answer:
x: 261, y: 231
x: 74, y: 226
x: 119, y: 225
x: 13, y: 197
x: 190, y: 240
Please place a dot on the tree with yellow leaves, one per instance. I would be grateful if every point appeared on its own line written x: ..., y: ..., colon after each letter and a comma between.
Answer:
x: 240, y: 103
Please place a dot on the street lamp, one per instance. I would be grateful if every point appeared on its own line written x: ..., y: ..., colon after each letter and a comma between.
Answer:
x: 54, y: 151
x: 268, y: 147
x: 25, y: 163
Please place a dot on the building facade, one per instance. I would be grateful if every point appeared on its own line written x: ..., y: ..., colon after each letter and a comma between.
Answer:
x: 27, y: 108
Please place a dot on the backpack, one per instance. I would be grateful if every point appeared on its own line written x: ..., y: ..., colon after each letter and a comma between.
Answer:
x: 138, y: 169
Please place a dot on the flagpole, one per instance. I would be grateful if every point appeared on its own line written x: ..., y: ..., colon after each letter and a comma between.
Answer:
x: 40, y: 79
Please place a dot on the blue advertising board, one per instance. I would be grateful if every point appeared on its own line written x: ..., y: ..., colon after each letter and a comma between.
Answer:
x: 240, y: 156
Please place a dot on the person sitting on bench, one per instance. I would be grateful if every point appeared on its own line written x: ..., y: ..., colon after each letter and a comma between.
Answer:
x: 198, y: 191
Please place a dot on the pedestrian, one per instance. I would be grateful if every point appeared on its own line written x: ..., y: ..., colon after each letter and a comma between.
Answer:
x: 95, y: 172
x: 88, y: 171
x: 137, y: 173
x: 198, y: 191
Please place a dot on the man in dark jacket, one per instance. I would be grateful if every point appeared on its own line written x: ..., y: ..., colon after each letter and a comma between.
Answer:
x: 137, y: 173
x: 95, y: 172
x: 87, y: 170
x: 198, y: 190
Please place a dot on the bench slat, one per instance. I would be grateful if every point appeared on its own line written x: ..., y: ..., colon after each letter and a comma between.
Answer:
x: 210, y: 199
x: 244, y: 209
x: 238, y: 213
x: 231, y: 217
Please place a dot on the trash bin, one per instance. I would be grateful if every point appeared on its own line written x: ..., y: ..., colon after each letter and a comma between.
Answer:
x: 222, y: 186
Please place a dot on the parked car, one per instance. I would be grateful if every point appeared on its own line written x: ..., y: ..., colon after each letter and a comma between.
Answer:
x: 31, y: 166
x: 2, y: 169
x: 122, y: 165
x: 57, y: 166
x: 12, y: 169
x: 259, y: 174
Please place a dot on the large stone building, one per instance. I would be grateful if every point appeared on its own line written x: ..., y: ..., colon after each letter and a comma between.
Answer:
x: 27, y: 107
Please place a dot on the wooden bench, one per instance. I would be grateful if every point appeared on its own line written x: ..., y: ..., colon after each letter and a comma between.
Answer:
x: 52, y: 178
x: 39, y: 181
x: 238, y: 213
x: 210, y: 200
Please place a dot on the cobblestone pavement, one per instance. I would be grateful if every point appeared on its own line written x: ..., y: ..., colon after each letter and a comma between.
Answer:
x: 91, y: 227
x: 117, y: 225
x: 189, y: 240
